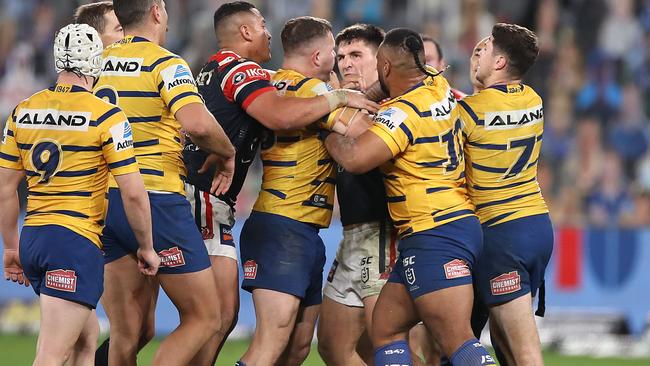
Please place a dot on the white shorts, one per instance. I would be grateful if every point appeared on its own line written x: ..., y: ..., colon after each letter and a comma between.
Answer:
x: 363, y: 262
x: 215, y: 219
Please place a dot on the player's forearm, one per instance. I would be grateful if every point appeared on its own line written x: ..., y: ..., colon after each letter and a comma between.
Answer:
x: 344, y: 151
x: 138, y: 213
x: 9, y: 211
x: 213, y: 140
x: 136, y: 207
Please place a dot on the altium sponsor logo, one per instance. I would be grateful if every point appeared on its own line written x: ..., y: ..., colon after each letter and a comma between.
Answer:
x: 52, y: 119
x: 506, y: 283
x: 506, y: 120
x: 61, y: 279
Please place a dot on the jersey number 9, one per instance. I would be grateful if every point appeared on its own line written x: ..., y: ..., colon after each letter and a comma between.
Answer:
x: 46, y: 158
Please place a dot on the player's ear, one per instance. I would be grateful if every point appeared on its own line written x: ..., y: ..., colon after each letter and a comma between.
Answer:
x: 156, y: 12
x: 501, y: 62
x: 386, y: 67
x: 316, y: 58
x: 245, y: 32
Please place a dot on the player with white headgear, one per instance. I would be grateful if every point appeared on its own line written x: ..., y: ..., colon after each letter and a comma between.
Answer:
x: 67, y: 141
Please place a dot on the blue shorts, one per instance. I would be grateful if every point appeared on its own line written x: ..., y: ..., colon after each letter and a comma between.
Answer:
x: 61, y: 263
x: 514, y: 258
x: 176, y: 239
x: 282, y: 254
x: 438, y: 258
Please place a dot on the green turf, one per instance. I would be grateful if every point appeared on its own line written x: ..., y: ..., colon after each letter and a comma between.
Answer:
x: 19, y: 350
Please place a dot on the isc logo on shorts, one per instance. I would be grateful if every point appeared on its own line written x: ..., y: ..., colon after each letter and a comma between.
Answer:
x: 172, y: 257
x: 456, y: 269
x: 250, y: 269
x: 506, y: 283
x: 61, y: 279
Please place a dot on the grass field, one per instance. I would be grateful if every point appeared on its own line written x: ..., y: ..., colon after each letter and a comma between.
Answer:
x: 19, y: 350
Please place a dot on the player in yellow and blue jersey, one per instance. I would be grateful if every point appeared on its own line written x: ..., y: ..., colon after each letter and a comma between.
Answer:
x: 67, y: 141
x: 504, y: 125
x: 282, y: 253
x: 417, y: 141
x: 156, y: 90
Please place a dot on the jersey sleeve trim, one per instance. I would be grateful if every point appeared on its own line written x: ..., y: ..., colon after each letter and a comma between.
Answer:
x: 249, y: 96
x: 387, y: 138
x: 299, y: 85
x: 8, y: 157
x: 182, y: 96
x: 151, y: 67
x: 122, y: 163
x: 407, y: 132
x: 105, y: 116
x: 414, y: 108
x: 471, y: 113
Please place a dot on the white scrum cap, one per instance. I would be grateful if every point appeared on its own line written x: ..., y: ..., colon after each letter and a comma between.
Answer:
x: 78, y: 48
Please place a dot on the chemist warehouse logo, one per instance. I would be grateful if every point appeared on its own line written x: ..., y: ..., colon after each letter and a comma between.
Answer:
x: 62, y: 280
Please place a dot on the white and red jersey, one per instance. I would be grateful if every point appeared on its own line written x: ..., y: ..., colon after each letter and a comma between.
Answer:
x: 228, y: 84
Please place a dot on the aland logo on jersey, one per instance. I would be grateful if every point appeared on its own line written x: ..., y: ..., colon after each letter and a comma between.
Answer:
x: 122, y: 66
x: 53, y: 119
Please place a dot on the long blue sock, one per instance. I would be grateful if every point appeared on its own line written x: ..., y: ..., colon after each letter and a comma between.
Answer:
x: 472, y: 353
x: 393, y: 354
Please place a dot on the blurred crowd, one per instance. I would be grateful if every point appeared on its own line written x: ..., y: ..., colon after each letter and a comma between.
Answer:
x: 593, y: 73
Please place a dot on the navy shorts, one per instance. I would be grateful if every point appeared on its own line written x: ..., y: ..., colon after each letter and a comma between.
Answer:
x: 61, y: 263
x: 438, y: 258
x: 284, y: 255
x: 514, y: 258
x: 176, y: 239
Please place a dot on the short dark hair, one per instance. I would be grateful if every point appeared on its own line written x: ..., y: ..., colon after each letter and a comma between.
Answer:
x: 93, y: 14
x: 301, y: 30
x: 426, y: 38
x: 132, y: 12
x: 227, y: 10
x: 371, y: 34
x: 519, y: 45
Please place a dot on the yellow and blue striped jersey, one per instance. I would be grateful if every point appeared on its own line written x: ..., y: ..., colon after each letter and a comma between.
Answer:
x: 66, y: 140
x: 299, y: 175
x: 150, y: 84
x: 425, y: 180
x: 503, y: 125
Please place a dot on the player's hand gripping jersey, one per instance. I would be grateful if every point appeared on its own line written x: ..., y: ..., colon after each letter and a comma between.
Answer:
x: 229, y: 83
x: 150, y: 84
x: 502, y: 150
x: 299, y: 174
x: 425, y: 181
x: 66, y: 145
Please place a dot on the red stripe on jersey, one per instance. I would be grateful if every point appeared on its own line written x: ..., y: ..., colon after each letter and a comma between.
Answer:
x: 249, y: 99
x: 208, y: 213
x: 224, y: 58
x: 239, y: 76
